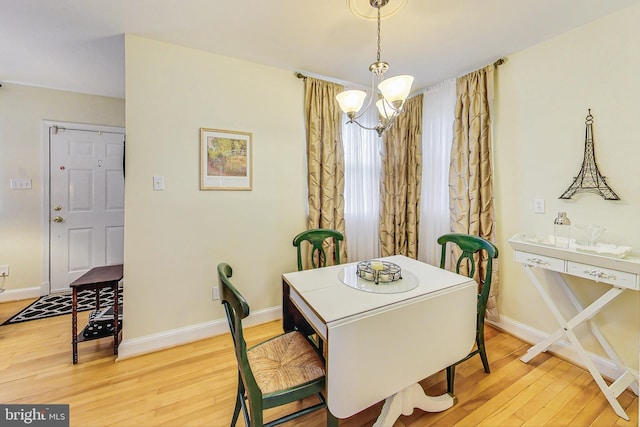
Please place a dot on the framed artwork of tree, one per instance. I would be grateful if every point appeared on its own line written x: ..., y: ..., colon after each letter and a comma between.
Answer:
x: 225, y: 160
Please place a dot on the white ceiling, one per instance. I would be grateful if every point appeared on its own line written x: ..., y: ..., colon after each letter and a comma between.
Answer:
x: 78, y: 45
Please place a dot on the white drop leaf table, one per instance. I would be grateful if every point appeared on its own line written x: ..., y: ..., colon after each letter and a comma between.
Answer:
x: 622, y: 275
x: 380, y: 345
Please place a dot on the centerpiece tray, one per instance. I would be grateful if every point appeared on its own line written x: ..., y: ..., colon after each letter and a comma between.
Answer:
x: 349, y: 276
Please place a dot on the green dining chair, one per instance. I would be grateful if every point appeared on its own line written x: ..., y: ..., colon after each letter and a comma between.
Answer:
x: 281, y: 370
x: 316, y: 238
x: 470, y: 245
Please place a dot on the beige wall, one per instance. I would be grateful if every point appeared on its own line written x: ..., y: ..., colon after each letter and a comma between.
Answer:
x: 175, y: 238
x: 22, y: 112
x: 543, y: 94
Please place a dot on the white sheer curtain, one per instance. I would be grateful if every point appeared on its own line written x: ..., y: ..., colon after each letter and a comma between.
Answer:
x: 437, y: 136
x: 362, y: 154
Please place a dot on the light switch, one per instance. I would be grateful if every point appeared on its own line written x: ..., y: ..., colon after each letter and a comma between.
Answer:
x: 21, y: 183
x: 158, y: 182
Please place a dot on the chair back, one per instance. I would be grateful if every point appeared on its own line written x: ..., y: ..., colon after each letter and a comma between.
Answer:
x: 319, y: 240
x: 236, y: 309
x: 470, y: 246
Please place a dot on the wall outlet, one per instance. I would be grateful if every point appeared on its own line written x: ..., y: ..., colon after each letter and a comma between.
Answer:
x: 4, y: 270
x: 538, y: 205
x: 216, y: 293
x: 158, y: 183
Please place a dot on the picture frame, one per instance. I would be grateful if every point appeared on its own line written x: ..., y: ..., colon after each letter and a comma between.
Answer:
x: 226, y: 159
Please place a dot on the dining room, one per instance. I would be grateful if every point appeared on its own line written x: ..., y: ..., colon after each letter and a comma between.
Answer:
x: 176, y: 236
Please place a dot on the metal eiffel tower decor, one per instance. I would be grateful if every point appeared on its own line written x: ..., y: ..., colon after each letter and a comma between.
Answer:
x: 589, y: 179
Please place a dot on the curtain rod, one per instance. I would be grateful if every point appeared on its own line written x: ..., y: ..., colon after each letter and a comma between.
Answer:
x: 325, y: 78
x: 304, y: 76
x: 496, y: 63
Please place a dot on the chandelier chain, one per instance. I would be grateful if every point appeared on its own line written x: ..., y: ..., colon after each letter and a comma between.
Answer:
x: 378, y: 8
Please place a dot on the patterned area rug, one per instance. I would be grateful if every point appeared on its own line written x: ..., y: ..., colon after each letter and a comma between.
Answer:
x: 59, y: 304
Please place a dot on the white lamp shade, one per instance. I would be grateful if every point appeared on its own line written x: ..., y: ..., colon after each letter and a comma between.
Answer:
x: 351, y: 100
x: 396, y: 88
x: 386, y: 111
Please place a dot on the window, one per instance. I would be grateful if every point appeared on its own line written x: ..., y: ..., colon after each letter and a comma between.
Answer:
x: 362, y: 159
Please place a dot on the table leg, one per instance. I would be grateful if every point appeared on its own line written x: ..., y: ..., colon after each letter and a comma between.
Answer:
x: 403, y: 403
x: 74, y: 324
x: 610, y: 392
x: 595, y: 330
x: 292, y: 319
x: 288, y: 320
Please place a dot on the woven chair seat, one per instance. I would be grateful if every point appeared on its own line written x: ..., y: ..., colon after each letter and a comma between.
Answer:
x: 285, y: 361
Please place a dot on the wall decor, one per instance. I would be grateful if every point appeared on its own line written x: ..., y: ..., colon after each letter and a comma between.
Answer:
x: 226, y: 157
x: 589, y: 179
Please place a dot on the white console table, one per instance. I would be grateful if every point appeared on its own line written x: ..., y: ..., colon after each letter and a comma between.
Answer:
x: 623, y: 275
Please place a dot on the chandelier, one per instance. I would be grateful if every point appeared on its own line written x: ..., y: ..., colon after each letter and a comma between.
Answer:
x: 393, y: 91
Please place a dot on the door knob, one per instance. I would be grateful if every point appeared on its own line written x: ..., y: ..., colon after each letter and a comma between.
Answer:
x: 57, y: 208
x: 58, y: 219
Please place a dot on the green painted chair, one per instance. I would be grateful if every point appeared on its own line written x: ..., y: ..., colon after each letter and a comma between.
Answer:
x: 281, y: 370
x: 316, y: 239
x: 471, y: 245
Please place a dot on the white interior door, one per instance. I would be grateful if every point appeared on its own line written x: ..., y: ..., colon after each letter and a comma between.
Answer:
x: 86, y: 203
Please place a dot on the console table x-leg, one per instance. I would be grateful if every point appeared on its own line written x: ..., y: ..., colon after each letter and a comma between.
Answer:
x: 611, y: 392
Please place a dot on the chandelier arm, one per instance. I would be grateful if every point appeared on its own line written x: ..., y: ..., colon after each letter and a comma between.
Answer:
x: 359, y: 124
x: 380, y: 127
x: 394, y: 112
x: 370, y: 95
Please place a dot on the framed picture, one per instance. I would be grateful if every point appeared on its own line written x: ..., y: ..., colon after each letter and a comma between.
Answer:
x: 225, y: 160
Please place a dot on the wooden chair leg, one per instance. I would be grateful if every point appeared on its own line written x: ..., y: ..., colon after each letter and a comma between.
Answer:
x: 485, y: 361
x: 482, y: 350
x: 236, y: 410
x: 241, y: 404
x: 451, y: 373
x: 256, y: 418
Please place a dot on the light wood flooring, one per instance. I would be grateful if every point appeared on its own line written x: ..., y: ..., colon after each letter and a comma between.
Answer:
x: 194, y: 384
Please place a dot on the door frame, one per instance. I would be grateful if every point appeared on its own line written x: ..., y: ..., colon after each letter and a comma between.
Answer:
x: 45, y: 286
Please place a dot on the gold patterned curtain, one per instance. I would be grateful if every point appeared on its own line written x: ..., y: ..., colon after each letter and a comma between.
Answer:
x: 471, y: 175
x: 400, y: 182
x: 325, y: 160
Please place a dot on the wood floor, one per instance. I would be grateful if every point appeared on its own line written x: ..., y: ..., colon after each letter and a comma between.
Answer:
x: 194, y: 385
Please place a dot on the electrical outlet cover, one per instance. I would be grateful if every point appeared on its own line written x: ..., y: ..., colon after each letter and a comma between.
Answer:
x: 538, y: 205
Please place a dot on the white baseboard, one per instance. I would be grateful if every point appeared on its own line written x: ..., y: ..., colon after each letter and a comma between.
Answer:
x: 20, y: 294
x: 561, y: 348
x: 174, y: 337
